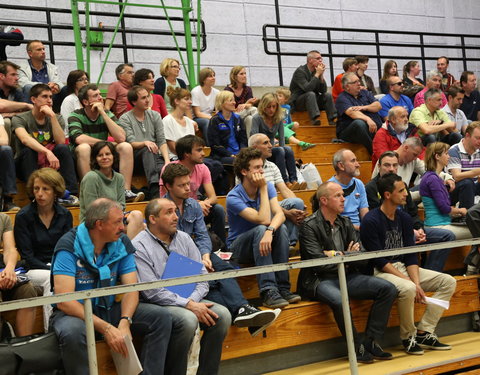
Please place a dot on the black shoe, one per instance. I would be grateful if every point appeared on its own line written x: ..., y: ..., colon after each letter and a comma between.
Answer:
x: 254, y: 331
x: 8, y: 205
x: 376, y: 350
x: 461, y: 221
x: 430, y: 341
x: 411, y: 346
x: 316, y: 122
x: 272, y: 298
x: 363, y: 356
x: 249, y: 316
x: 290, y: 297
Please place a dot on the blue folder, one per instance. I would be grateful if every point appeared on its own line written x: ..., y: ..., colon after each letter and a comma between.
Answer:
x: 180, y: 266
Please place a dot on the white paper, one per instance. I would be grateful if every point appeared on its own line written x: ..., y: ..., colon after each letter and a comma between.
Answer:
x: 129, y: 365
x: 439, y: 302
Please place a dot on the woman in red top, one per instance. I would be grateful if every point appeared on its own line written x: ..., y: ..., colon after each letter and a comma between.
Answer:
x: 145, y: 78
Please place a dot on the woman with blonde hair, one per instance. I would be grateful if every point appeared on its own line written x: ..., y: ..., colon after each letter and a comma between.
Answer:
x: 221, y: 127
x: 389, y: 70
x: 269, y: 121
x: 169, y: 71
x: 436, y: 201
x: 244, y: 99
x: 203, y: 100
x: 39, y: 226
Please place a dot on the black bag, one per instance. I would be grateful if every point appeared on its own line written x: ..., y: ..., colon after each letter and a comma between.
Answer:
x: 34, y: 354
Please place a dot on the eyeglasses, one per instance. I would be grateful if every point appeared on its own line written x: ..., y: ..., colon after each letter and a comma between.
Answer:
x: 83, y: 79
x: 354, y: 82
x: 398, y: 83
x: 175, y: 67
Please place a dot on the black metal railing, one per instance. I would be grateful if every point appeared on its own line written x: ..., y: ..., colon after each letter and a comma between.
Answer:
x: 277, y: 42
x: 53, y: 28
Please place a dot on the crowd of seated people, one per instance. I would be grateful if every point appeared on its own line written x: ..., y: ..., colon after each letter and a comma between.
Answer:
x: 151, y: 126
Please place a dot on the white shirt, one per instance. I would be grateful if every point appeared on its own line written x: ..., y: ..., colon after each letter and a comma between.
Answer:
x: 173, y: 130
x: 69, y: 104
x: 206, y: 103
x: 459, y: 117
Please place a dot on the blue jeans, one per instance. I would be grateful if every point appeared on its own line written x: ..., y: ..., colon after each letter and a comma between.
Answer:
x: 436, y: 259
x: 246, y: 249
x: 212, y: 338
x: 357, y: 132
x: 7, y: 171
x: 285, y: 160
x: 292, y: 229
x: 226, y: 292
x: 382, y: 292
x: 151, y: 321
x: 464, y: 193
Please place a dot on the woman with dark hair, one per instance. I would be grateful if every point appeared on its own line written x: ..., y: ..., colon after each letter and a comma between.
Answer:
x: 389, y: 70
x: 75, y: 81
x: 436, y: 201
x: 103, y: 182
x: 39, y: 226
x: 244, y: 99
x: 269, y: 121
x: 412, y: 84
x: 169, y: 71
x: 145, y: 79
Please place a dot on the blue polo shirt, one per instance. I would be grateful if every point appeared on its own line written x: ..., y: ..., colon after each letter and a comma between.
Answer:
x: 355, y: 201
x: 237, y: 201
x: 346, y: 100
x: 39, y: 75
x: 388, y: 102
x: 233, y: 146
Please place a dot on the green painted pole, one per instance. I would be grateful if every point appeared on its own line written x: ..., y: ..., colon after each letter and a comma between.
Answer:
x: 87, y: 33
x: 77, y: 35
x: 199, y: 29
x: 192, y: 77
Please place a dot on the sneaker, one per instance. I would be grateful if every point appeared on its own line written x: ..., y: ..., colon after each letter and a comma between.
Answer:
x: 272, y: 298
x: 290, y: 297
x: 305, y: 145
x: 70, y: 201
x: 376, y: 350
x: 411, y: 346
x: 430, y: 341
x: 254, y: 331
x: 363, y: 356
x: 461, y: 221
x: 249, y: 316
x: 316, y: 122
x: 8, y: 205
x: 130, y: 196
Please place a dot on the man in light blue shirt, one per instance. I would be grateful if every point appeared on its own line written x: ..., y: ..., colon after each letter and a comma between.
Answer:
x: 394, y: 98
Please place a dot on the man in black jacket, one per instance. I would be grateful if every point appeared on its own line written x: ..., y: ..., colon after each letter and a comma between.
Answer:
x: 325, y: 234
x: 309, y: 90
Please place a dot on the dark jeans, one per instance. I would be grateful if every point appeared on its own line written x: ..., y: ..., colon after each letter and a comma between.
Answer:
x: 152, y: 164
x: 216, y: 219
x: 450, y: 138
x: 7, y: 171
x: 151, y: 321
x: 285, y: 160
x: 245, y: 249
x: 313, y: 102
x: 357, y: 132
x: 225, y: 292
x: 464, y: 193
x: 436, y: 259
x: 219, y: 177
x: 382, y: 292
x: 203, y: 126
x: 27, y: 162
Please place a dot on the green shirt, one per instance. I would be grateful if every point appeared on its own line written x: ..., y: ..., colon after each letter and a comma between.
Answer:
x: 421, y: 115
x: 79, y: 123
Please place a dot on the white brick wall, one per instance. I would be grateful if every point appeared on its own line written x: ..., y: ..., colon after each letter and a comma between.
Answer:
x: 234, y: 31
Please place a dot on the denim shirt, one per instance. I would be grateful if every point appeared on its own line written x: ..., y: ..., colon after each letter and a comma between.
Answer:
x: 192, y: 222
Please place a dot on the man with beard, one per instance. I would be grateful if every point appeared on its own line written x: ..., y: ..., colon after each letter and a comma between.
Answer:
x: 452, y: 109
x: 393, y: 133
x: 394, y: 97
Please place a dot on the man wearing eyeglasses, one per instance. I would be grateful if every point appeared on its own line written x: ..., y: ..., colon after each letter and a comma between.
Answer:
x: 116, y: 100
x: 434, y: 81
x: 357, y: 112
x: 394, y: 98
x: 309, y: 90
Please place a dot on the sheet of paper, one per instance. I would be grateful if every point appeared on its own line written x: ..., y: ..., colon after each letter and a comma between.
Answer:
x: 439, y: 302
x: 129, y: 365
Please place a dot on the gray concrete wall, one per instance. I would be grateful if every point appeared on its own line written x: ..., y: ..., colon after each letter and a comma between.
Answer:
x: 234, y: 32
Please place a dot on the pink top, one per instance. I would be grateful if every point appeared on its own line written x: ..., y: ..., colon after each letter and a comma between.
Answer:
x: 420, y: 98
x: 200, y: 175
x: 117, y: 92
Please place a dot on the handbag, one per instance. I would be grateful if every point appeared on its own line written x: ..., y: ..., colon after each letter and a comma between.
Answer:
x: 34, y: 354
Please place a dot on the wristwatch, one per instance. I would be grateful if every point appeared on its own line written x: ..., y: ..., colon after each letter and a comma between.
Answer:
x: 271, y: 229
x: 127, y: 318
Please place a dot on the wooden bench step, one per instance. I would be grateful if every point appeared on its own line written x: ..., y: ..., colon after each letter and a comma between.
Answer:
x: 316, y: 134
x: 304, y: 119
x: 323, y: 152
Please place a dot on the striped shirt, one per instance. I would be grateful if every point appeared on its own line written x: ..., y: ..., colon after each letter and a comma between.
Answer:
x: 79, y: 123
x: 461, y: 159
